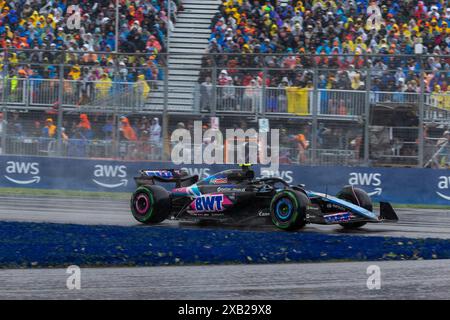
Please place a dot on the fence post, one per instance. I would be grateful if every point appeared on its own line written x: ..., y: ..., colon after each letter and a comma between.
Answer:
x: 314, y: 114
x: 60, y: 105
x: 420, y: 163
x: 117, y: 123
x: 264, y: 93
x: 26, y: 92
x: 5, y: 104
x: 214, y: 89
x: 165, y: 117
x: 366, y: 134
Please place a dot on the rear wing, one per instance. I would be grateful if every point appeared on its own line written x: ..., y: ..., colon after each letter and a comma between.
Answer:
x: 180, y: 177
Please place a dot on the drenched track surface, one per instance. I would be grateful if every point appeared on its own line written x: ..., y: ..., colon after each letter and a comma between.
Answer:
x: 414, y: 223
x: 399, y: 280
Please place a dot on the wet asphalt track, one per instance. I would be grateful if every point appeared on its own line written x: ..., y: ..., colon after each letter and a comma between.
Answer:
x: 402, y: 280
x: 399, y: 280
x: 414, y: 223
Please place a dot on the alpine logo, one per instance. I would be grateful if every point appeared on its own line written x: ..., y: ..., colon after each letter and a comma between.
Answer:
x: 367, y: 180
x: 110, y: 172
x: 30, y: 169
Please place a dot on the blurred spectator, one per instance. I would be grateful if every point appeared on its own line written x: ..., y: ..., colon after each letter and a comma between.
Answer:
x: 85, y: 126
x: 155, y: 139
x: 251, y: 96
x: 49, y: 130
x: 142, y: 89
x: 228, y: 97
x: 103, y: 86
x: 302, y: 146
x: 126, y: 130
x: 206, y: 94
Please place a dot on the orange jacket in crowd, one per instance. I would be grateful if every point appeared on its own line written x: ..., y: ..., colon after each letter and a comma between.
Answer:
x: 84, y: 122
x: 127, y: 130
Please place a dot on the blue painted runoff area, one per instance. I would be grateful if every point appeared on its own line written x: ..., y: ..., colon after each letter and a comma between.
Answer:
x: 37, y: 245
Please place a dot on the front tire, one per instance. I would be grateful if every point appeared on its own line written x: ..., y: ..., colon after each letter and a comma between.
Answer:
x: 288, y: 210
x: 358, y: 197
x: 150, y: 204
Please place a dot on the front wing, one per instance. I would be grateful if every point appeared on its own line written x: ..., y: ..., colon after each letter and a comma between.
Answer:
x: 340, y: 211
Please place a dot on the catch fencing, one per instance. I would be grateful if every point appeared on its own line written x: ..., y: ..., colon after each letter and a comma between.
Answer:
x: 350, y: 113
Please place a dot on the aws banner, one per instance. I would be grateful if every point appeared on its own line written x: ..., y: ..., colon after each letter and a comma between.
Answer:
x: 409, y: 186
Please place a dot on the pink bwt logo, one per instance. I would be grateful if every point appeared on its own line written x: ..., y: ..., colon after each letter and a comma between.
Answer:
x: 210, y: 203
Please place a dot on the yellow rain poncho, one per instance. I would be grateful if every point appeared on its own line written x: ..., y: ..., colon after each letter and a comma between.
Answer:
x: 142, y: 86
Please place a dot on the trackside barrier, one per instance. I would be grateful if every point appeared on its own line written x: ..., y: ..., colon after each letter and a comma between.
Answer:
x: 407, y: 186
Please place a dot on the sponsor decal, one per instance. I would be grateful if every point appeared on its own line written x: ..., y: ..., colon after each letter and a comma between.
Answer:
x: 285, y: 175
x: 161, y: 173
x: 335, y: 207
x: 230, y: 189
x: 367, y: 180
x: 16, y: 170
x: 210, y: 203
x: 110, y: 172
x: 338, y: 217
x: 262, y: 213
x: 202, y: 173
x: 123, y: 183
x: 187, y: 191
x: 443, y: 185
x: 218, y: 181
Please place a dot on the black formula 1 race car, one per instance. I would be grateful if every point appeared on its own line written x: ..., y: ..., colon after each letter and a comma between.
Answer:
x: 236, y: 195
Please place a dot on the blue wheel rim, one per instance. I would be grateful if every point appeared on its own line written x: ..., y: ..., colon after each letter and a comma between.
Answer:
x: 284, y: 209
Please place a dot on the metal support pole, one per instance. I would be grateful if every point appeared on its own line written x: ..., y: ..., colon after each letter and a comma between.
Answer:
x: 5, y: 103
x: 117, y: 27
x: 366, y: 135
x: 117, y: 136
x: 213, y: 105
x: 264, y: 93
x: 169, y: 14
x: 421, y: 114
x: 60, y: 106
x: 165, y: 118
x: 314, y: 115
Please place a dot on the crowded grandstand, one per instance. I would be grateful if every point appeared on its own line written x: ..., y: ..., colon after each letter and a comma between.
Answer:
x: 286, y: 60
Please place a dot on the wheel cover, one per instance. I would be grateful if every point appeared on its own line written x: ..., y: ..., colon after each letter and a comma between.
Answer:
x: 142, y: 204
x: 284, y: 209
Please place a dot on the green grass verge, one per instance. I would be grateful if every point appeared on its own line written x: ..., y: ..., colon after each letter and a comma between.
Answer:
x: 18, y: 192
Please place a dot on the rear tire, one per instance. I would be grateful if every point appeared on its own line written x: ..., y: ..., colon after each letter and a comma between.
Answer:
x: 288, y: 210
x: 360, y: 198
x: 150, y: 204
